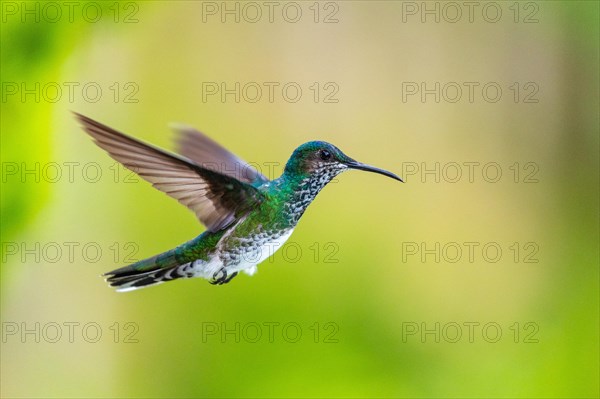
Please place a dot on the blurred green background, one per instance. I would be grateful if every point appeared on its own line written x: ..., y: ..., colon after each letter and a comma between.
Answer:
x: 348, y: 284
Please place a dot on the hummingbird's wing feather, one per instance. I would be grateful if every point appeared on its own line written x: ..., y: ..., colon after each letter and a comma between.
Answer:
x: 216, y: 199
x: 209, y: 154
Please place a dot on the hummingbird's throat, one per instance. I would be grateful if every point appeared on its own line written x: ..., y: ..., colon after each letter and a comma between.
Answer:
x: 306, y: 191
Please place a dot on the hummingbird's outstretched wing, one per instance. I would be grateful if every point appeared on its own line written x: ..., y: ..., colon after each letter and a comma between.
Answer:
x: 209, y: 154
x: 216, y: 199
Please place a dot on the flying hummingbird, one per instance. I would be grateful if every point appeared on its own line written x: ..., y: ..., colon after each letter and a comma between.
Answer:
x: 247, y: 216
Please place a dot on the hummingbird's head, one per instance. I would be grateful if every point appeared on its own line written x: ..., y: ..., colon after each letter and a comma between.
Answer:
x: 322, y: 161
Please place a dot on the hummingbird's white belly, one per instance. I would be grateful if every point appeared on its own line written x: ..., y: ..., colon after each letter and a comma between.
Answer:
x: 250, y: 260
x: 262, y: 247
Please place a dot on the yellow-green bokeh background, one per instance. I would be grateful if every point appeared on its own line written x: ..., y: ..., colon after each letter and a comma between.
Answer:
x: 370, y: 293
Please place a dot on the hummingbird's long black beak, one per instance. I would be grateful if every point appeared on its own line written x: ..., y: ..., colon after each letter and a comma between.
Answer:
x: 361, y: 166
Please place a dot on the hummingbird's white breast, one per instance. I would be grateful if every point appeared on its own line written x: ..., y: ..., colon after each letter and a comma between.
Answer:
x: 259, y: 253
x: 245, y: 255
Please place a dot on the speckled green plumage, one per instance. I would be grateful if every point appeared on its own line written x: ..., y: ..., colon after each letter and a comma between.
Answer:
x: 270, y: 213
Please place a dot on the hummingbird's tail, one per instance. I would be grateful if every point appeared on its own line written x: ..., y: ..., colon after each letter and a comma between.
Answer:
x: 151, y: 271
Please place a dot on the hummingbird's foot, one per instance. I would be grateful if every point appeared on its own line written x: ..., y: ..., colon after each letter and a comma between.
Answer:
x: 221, y: 277
x: 230, y: 277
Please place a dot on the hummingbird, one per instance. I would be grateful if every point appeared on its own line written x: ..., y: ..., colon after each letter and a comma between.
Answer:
x: 247, y: 216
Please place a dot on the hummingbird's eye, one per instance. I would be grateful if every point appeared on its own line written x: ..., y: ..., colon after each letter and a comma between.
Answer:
x: 325, y: 155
